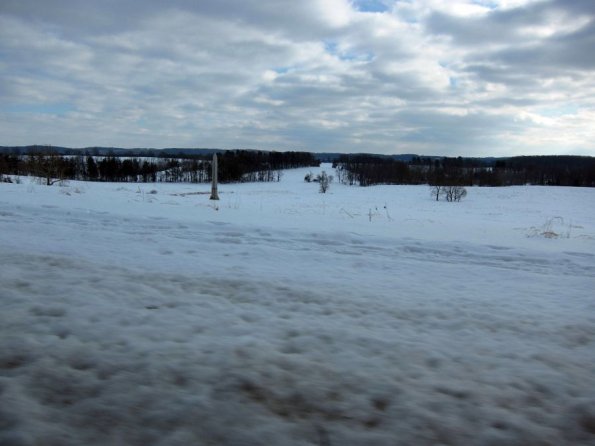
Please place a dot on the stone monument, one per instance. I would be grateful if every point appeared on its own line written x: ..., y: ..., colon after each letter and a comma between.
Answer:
x: 214, y: 195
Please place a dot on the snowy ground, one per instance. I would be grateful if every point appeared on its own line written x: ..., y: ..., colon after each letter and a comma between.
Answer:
x: 364, y: 316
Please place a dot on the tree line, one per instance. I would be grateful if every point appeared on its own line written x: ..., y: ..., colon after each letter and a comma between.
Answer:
x: 234, y: 166
x: 367, y: 170
x: 246, y: 165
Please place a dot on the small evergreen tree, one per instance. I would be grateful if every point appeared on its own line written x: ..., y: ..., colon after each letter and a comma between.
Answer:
x: 92, y: 171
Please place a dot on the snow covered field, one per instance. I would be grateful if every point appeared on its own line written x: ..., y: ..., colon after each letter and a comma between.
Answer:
x: 281, y: 316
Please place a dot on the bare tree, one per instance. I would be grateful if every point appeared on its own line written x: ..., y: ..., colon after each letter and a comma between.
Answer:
x: 324, y: 181
x: 454, y: 193
x: 436, y: 191
x: 48, y: 165
x: 450, y: 193
x: 459, y: 193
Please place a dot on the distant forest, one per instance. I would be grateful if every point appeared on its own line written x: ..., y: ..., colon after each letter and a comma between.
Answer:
x: 367, y: 170
x: 194, y: 166
x: 233, y: 166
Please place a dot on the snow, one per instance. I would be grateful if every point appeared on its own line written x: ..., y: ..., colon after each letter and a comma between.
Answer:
x: 279, y: 315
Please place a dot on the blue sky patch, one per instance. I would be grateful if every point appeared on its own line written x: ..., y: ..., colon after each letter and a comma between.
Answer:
x: 332, y: 48
x: 486, y: 3
x: 370, y: 5
x: 58, y: 108
x: 282, y: 70
x: 554, y: 112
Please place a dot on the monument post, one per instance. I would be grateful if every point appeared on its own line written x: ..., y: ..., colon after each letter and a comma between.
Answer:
x: 214, y: 195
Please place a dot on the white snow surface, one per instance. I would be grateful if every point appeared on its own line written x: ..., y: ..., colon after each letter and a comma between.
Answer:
x: 282, y: 316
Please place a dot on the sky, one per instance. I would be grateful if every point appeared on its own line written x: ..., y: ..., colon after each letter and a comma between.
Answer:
x: 431, y: 77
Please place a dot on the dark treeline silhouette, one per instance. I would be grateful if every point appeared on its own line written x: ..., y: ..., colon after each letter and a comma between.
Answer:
x: 547, y: 170
x: 245, y: 165
x: 234, y: 166
x: 367, y: 170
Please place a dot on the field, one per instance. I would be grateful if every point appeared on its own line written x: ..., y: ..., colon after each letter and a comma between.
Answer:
x: 145, y: 314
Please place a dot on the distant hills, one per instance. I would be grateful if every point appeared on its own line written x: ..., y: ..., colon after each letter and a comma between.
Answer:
x: 321, y: 156
x: 173, y: 151
x: 105, y: 151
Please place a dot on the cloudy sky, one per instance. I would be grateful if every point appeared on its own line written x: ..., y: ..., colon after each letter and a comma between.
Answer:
x: 433, y: 77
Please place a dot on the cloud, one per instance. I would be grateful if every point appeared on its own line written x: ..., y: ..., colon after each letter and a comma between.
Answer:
x: 461, y: 77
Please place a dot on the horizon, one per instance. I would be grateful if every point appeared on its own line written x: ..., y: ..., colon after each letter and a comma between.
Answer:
x: 419, y: 155
x: 469, y: 78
